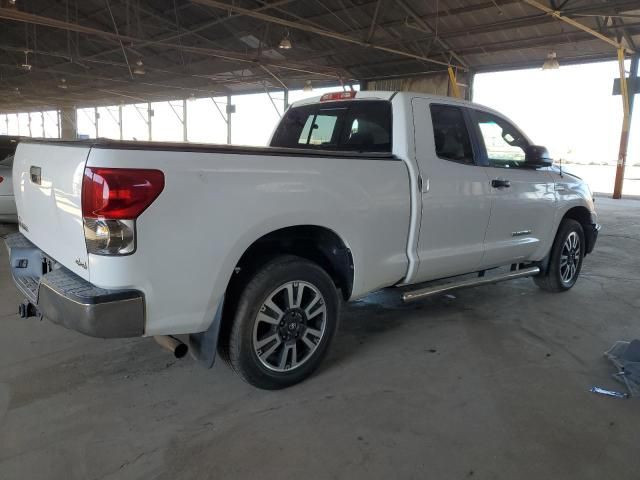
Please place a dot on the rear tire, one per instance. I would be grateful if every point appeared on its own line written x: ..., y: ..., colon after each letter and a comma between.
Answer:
x: 285, y: 319
x: 565, y: 262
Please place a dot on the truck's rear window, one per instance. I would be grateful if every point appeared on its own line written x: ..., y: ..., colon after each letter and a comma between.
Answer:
x: 362, y: 126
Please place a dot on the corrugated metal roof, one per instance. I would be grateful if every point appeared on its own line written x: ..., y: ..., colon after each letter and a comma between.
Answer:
x: 211, y: 48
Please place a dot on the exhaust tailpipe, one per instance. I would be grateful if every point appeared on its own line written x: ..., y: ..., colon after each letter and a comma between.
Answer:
x: 175, y: 346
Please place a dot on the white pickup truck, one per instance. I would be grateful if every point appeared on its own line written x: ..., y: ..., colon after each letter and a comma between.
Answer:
x: 251, y: 250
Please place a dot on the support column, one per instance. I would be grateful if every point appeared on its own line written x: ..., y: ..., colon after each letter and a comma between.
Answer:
x: 68, y: 123
x: 149, y: 115
x: 120, y: 120
x: 628, y: 90
x: 286, y: 99
x: 229, y: 112
x: 96, y: 118
x: 185, y: 130
x: 471, y: 75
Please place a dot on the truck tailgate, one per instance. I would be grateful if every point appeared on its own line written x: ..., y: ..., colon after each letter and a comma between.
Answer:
x: 47, y: 180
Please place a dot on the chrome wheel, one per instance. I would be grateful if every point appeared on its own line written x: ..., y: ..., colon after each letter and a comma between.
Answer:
x: 570, y: 258
x: 289, y: 326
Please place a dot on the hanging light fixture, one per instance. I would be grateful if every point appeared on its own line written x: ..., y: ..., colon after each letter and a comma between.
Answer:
x: 551, y: 63
x: 307, y: 86
x: 139, y: 68
x: 26, y: 65
x: 63, y: 83
x: 285, y: 43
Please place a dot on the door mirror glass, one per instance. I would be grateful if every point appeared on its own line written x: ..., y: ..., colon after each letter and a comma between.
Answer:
x: 537, y: 156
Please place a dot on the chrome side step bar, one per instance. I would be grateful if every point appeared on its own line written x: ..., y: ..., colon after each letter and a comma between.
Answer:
x: 430, y: 291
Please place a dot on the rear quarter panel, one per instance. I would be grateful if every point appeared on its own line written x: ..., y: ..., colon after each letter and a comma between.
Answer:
x: 215, y: 205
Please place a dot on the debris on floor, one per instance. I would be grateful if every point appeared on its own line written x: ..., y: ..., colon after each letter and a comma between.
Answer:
x: 626, y: 358
x: 609, y: 393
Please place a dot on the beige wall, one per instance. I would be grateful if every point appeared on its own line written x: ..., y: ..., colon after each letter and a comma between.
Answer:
x: 435, y: 83
x: 68, y: 123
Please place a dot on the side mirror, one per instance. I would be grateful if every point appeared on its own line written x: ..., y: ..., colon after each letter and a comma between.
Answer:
x: 536, y: 156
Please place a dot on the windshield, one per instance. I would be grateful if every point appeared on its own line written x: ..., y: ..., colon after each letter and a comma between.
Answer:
x: 363, y: 126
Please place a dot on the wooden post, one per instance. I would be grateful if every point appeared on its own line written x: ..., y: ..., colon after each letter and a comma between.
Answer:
x: 627, y: 89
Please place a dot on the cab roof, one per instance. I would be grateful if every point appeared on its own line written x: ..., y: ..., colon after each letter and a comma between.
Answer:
x: 382, y: 95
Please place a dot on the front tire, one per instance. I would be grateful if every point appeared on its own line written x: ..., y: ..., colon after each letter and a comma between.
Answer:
x: 565, y: 262
x: 285, y: 319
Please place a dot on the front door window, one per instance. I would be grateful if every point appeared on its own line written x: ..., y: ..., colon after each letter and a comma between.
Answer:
x: 504, y: 144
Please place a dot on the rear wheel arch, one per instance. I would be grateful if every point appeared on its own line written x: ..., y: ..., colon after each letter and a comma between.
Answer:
x: 317, y: 244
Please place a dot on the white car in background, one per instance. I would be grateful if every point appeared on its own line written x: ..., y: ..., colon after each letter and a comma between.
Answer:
x: 8, y: 212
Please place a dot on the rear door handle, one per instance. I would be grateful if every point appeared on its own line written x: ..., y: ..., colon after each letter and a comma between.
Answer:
x: 500, y: 183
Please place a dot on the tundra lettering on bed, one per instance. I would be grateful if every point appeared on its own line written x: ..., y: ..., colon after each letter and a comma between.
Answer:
x: 250, y: 251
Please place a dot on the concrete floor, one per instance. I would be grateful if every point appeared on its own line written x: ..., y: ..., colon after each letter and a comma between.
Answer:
x: 492, y: 384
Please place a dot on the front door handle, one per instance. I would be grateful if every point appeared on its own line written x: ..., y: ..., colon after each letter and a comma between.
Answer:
x: 500, y: 183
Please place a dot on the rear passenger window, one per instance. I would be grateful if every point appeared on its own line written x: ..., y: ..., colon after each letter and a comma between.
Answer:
x: 361, y: 126
x: 318, y: 130
x: 450, y: 134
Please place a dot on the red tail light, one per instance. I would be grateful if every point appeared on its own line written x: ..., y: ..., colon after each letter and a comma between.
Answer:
x: 337, y: 96
x: 1, y: 179
x: 119, y: 193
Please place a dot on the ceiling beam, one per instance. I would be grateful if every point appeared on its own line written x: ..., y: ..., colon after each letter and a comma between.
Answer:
x: 574, y: 23
x: 425, y: 26
x: 312, y: 29
x: 194, y: 29
x: 374, y: 21
x: 10, y: 14
x: 508, y: 24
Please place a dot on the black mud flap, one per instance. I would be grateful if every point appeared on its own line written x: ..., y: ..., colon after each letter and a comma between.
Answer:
x: 203, y: 345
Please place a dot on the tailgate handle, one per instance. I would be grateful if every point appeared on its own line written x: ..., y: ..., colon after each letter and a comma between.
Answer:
x: 36, y: 175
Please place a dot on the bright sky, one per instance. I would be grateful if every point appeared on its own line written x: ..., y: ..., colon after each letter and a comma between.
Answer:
x: 571, y: 110
x: 253, y: 122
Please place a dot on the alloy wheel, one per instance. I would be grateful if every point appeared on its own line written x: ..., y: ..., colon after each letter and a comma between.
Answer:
x: 289, y: 326
x: 570, y: 258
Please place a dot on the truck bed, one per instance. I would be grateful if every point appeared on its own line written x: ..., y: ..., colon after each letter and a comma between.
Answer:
x: 216, y: 202
x: 104, y: 143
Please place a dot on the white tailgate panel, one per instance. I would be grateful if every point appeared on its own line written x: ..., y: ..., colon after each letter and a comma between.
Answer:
x: 50, y: 214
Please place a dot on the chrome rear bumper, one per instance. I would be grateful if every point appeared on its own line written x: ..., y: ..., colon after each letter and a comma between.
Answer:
x: 68, y: 300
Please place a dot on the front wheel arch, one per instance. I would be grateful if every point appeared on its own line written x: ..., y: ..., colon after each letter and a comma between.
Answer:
x: 551, y: 278
x: 583, y: 216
